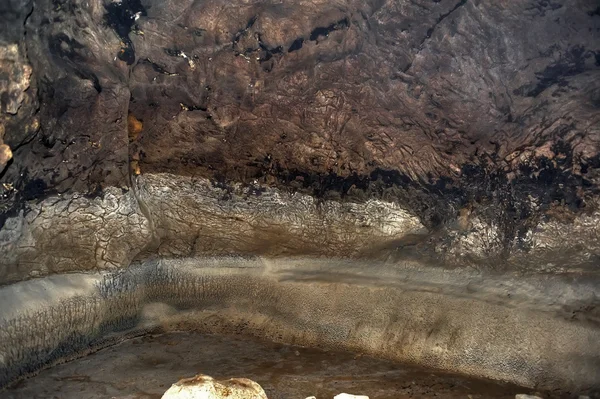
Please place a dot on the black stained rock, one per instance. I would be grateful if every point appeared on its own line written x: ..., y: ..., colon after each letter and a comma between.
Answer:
x: 456, y: 105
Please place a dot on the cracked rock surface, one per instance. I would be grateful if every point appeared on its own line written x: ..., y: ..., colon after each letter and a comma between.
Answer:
x: 477, y: 121
x: 538, y: 331
x: 76, y: 233
x: 461, y: 136
x: 195, y: 217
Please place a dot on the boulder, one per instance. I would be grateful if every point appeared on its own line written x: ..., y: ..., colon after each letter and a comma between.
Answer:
x: 205, y: 387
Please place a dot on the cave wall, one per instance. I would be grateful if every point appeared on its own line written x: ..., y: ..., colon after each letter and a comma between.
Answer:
x: 447, y: 152
x: 530, y: 331
x: 480, y: 120
x: 172, y: 216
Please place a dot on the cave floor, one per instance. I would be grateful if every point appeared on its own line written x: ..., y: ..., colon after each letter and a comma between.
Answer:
x: 145, y: 367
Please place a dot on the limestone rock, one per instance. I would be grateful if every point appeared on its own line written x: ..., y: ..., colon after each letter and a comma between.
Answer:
x: 205, y: 387
x: 348, y: 101
x: 5, y: 155
x: 17, y: 73
x: 500, y: 168
x: 349, y: 396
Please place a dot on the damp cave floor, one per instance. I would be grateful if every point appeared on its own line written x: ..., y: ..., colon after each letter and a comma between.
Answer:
x: 146, y: 366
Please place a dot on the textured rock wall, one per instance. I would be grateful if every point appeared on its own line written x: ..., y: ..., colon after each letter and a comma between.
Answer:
x: 75, y: 233
x: 454, y: 133
x: 172, y: 216
x: 180, y: 216
x: 478, y: 118
x: 195, y: 217
x: 531, y: 331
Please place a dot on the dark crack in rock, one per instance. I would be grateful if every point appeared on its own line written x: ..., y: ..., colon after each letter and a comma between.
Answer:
x: 121, y: 16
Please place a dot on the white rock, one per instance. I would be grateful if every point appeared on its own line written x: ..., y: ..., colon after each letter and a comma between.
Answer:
x: 205, y: 387
x: 348, y: 396
x: 523, y: 396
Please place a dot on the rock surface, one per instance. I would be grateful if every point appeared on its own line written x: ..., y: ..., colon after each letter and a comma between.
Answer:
x: 534, y: 331
x: 205, y: 387
x: 479, y: 119
x: 144, y: 367
x: 170, y: 215
x: 463, y: 134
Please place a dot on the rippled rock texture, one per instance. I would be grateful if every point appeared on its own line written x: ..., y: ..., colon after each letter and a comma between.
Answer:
x: 480, y: 120
x: 536, y: 332
x: 459, y: 134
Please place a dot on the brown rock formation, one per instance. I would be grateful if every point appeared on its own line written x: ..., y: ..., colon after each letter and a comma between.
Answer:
x: 456, y: 133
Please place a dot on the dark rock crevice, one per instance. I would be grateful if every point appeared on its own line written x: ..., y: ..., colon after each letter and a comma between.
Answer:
x: 121, y: 17
x: 441, y: 18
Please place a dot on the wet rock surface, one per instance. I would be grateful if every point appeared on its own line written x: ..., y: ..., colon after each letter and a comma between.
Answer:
x: 143, y: 368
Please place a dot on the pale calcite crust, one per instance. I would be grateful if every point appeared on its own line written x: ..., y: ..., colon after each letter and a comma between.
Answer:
x: 205, y: 387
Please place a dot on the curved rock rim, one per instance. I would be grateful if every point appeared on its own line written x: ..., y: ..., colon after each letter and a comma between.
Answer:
x: 520, y: 330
